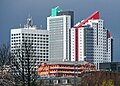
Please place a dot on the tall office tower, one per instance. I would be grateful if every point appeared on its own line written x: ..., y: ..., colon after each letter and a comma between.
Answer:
x: 32, y: 40
x: 59, y: 12
x: 90, y: 41
x: 81, y: 42
x: 58, y: 27
x: 71, y: 13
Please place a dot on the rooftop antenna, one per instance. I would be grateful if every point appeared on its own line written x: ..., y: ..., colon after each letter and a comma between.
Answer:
x: 29, y: 21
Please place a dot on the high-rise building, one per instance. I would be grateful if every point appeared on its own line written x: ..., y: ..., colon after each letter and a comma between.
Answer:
x: 71, y: 13
x: 80, y: 40
x: 30, y: 38
x: 91, y: 41
x: 58, y: 27
x: 59, y: 12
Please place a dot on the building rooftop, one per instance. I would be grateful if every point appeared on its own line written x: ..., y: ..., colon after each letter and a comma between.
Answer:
x: 69, y: 62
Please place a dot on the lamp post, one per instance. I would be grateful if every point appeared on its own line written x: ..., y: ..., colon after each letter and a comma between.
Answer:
x: 75, y: 64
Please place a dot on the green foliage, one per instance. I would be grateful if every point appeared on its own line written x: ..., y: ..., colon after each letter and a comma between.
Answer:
x: 108, y: 83
x: 118, y: 83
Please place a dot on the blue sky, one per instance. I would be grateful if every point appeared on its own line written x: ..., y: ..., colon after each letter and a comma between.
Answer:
x: 14, y: 12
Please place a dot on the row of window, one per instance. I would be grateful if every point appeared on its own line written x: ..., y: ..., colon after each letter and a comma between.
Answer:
x: 33, y: 44
x: 29, y: 34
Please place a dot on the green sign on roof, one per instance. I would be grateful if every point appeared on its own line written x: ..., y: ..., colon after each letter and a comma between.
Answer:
x: 55, y: 11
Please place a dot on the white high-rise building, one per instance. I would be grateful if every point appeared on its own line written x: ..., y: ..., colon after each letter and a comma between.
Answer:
x: 58, y: 27
x: 90, y: 41
x: 81, y: 42
x: 36, y: 40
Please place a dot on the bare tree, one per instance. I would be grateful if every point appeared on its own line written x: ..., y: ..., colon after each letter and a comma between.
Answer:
x: 23, y: 61
x: 6, y: 78
x: 4, y: 56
